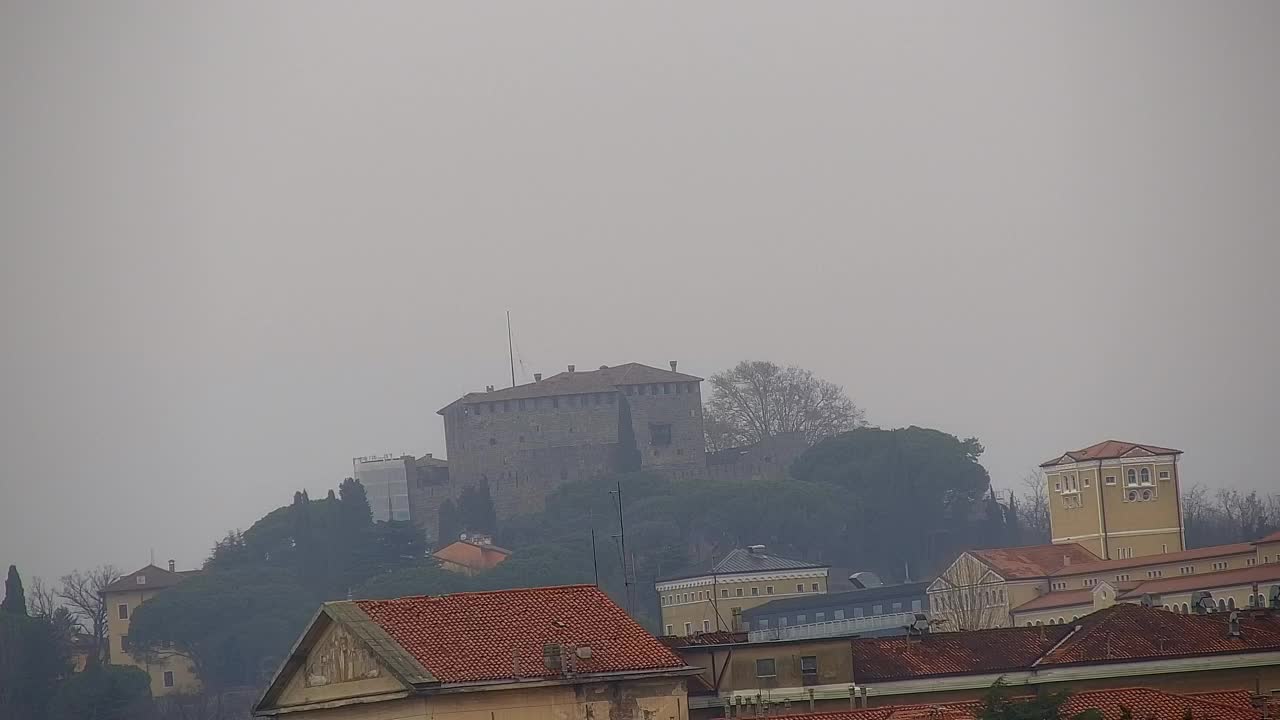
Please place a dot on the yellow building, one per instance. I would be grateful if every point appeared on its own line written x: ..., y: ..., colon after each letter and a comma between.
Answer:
x: 169, y: 674
x: 1118, y: 499
x: 745, y: 578
x: 558, y: 653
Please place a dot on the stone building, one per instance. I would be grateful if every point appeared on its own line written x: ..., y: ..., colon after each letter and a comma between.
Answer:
x: 524, y: 441
x: 769, y: 459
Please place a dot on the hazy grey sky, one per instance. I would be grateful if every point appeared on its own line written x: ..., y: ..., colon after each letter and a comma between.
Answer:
x: 244, y: 242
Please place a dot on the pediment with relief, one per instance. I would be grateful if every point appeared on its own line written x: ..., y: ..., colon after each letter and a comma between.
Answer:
x: 338, y: 665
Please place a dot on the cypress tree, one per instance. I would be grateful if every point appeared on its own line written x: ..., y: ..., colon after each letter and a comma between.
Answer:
x: 15, y: 600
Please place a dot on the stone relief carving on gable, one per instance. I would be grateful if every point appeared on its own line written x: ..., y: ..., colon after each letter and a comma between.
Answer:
x: 340, y: 658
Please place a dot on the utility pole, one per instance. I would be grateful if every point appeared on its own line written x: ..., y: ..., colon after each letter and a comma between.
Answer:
x: 511, y: 355
x: 622, y: 539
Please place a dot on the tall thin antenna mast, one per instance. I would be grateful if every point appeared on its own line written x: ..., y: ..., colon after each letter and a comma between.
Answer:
x: 595, y: 563
x: 622, y: 539
x: 511, y: 355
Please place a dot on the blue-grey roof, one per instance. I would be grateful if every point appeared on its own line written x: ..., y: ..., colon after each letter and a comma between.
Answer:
x: 852, y: 597
x: 740, y: 560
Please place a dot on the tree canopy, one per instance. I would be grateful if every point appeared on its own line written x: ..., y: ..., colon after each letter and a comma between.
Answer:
x: 15, y: 600
x: 757, y: 399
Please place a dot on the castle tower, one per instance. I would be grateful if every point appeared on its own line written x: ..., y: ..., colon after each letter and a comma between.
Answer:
x: 1118, y: 499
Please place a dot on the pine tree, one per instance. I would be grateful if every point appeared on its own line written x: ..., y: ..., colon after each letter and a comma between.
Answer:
x: 355, y: 504
x: 15, y: 600
x: 448, y: 524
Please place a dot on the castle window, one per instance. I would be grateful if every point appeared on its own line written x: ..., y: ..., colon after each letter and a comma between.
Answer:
x: 659, y: 433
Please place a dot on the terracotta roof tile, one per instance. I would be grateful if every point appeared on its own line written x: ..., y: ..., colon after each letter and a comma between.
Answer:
x: 1131, y: 632
x: 1267, y: 572
x: 1062, y: 598
x: 1033, y: 560
x: 1109, y: 450
x: 952, y: 653
x: 477, y: 556
x: 606, y: 379
x: 1111, y: 703
x: 1273, y: 537
x: 1146, y: 560
x: 471, y: 637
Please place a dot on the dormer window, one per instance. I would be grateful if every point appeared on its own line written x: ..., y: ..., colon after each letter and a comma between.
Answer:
x: 141, y: 579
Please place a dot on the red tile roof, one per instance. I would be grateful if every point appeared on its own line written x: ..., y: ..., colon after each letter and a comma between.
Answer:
x: 1213, y: 551
x: 1267, y: 572
x: 952, y: 653
x: 1110, y: 450
x: 476, y: 556
x: 1273, y: 537
x: 1033, y: 560
x: 606, y: 379
x: 1127, y: 632
x: 1121, y: 633
x: 1062, y: 598
x: 470, y: 637
x: 1111, y: 703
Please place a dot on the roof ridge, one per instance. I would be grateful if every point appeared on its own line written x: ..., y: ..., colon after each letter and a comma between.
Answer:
x: 500, y: 591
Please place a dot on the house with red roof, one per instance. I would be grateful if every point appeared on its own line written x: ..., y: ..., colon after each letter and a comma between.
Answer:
x: 554, y: 653
x: 1122, y: 646
x: 472, y: 554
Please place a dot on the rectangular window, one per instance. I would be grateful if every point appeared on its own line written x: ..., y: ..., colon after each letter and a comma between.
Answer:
x: 688, y: 629
x: 839, y: 614
x: 668, y: 629
x: 755, y: 591
x: 782, y: 622
x: 1187, y: 569
x: 857, y: 612
x: 802, y: 619
x: 765, y: 668
x: 141, y: 580
x: 1220, y: 566
x: 763, y: 623
x: 814, y: 587
x: 1164, y: 474
x: 124, y: 643
x: 799, y: 587
x: 168, y: 678
x: 659, y: 433
x: 1057, y: 487
x: 1154, y: 573
x: 809, y: 669
x: 738, y: 592
x: 1122, y: 578
x: 768, y: 589
x: 897, y: 607
x: 877, y: 609
x: 1251, y: 561
x: 819, y: 617
x: 915, y: 606
x: 122, y: 611
x: 706, y: 626
x: 1111, y: 479
x: 724, y: 593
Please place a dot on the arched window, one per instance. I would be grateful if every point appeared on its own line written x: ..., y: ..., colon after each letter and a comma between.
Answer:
x: 1028, y: 623
x: 1222, y: 605
x: 1075, y: 618
x: 1039, y: 623
x: 1062, y: 621
x: 1131, y: 477
x: 1050, y: 621
x: 1186, y: 609
x: 1145, y: 476
x: 1231, y: 603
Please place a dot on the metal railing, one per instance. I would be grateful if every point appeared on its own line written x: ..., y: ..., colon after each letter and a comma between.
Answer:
x: 833, y: 628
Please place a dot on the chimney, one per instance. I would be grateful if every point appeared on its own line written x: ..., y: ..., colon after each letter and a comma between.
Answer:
x: 537, y: 377
x: 1233, y: 625
x: 673, y: 366
x: 488, y: 388
x: 172, y: 565
x: 571, y: 368
x: 428, y: 456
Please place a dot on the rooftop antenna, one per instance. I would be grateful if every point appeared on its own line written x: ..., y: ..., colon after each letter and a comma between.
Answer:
x: 595, y: 562
x: 511, y: 353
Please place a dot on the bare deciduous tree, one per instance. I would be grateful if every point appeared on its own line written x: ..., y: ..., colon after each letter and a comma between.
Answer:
x: 42, y: 599
x: 82, y: 592
x: 968, y: 596
x: 1034, y: 509
x: 758, y: 399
